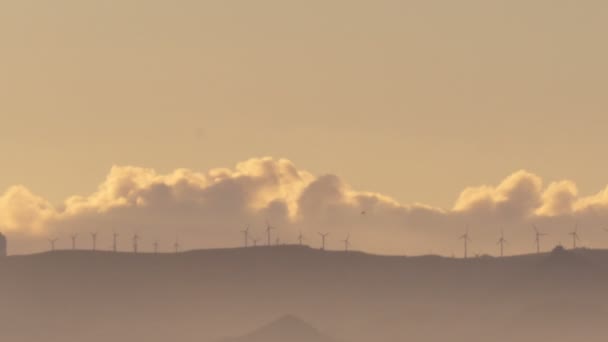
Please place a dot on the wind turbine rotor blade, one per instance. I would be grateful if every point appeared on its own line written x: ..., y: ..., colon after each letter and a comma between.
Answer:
x: 535, y: 228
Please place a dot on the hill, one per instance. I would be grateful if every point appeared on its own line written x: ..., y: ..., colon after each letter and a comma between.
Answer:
x: 286, y: 328
x: 205, y: 295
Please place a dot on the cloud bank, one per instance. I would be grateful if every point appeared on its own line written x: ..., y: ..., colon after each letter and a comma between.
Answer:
x: 209, y: 209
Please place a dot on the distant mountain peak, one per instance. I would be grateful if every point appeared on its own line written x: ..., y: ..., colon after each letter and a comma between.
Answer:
x: 291, y: 321
x: 288, y: 328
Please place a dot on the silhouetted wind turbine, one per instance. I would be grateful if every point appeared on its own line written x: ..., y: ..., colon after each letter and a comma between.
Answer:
x: 538, y: 236
x: 466, y: 239
x: 52, y: 243
x: 94, y: 238
x: 255, y: 241
x: 135, y: 243
x: 300, y: 238
x: 74, y: 237
x: 575, y: 236
x: 323, y: 236
x: 346, y: 243
x: 502, y: 242
x: 176, y: 244
x: 115, y: 242
x: 156, y: 247
x: 269, y: 228
x: 246, y: 234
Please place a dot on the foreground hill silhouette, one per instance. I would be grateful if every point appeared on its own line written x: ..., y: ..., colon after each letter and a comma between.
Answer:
x: 207, y: 295
x: 287, y: 328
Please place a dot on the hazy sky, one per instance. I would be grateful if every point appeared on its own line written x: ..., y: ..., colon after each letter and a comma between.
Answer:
x: 413, y: 99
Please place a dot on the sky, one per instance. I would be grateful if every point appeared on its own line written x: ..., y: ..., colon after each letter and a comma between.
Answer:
x: 413, y: 100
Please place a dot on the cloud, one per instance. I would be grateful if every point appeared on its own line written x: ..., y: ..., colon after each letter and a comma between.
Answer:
x: 559, y: 199
x: 208, y: 209
x: 518, y: 196
x: 22, y: 211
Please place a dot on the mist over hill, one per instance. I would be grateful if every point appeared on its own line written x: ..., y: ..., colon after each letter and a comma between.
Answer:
x: 208, y: 295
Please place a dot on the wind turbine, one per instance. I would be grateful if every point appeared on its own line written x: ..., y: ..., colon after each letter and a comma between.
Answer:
x: 52, y: 242
x: 538, y: 236
x: 156, y: 247
x: 94, y: 238
x: 502, y: 242
x: 246, y: 234
x: 466, y: 239
x: 74, y: 237
x: 346, y: 243
x: 115, y: 242
x: 300, y: 238
x: 255, y: 241
x: 269, y: 228
x: 575, y: 236
x: 323, y: 236
x: 135, y: 241
x: 176, y: 244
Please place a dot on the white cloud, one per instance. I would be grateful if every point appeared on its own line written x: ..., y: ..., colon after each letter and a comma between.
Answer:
x: 209, y: 209
x: 22, y: 211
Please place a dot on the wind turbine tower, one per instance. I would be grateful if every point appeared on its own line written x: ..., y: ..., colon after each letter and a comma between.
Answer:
x: 323, y: 237
x: 575, y: 236
x: 346, y: 243
x: 52, y: 243
x: 135, y: 243
x: 538, y: 236
x: 115, y: 242
x: 94, y: 239
x: 465, y: 237
x: 246, y: 235
x: 156, y: 247
x: 74, y: 237
x: 269, y: 229
x: 176, y: 245
x: 502, y: 242
x: 300, y: 238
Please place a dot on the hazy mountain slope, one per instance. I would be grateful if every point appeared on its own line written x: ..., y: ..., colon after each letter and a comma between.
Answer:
x: 206, y: 295
x: 287, y: 328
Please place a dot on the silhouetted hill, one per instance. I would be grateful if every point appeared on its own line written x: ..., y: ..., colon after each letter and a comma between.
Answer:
x: 561, y: 258
x: 287, y: 328
x: 205, y: 295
